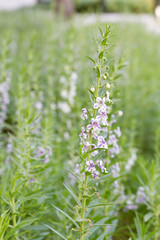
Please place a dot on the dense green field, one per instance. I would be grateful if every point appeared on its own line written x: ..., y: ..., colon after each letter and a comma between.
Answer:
x: 45, y: 81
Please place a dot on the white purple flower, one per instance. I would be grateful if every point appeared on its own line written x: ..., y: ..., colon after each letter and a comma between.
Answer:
x: 95, y: 174
x: 141, y: 195
x: 4, y: 99
x: 44, y: 153
x: 115, y: 170
x: 100, y: 102
x: 38, y: 106
x: 101, y: 165
x: 107, y: 97
x: 102, y: 143
x: 84, y: 114
x: 95, y: 125
x: 95, y: 152
x: 83, y: 134
x: 102, y: 117
x: 85, y: 147
x: 117, y: 131
x: 90, y: 166
x: 112, y: 140
x: 40, y: 152
x: 114, y: 151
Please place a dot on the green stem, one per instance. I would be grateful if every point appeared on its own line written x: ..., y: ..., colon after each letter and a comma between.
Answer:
x: 156, y: 213
x: 83, y: 208
x: 155, y: 210
x: 28, y: 148
x: 14, y: 216
x: 88, y: 158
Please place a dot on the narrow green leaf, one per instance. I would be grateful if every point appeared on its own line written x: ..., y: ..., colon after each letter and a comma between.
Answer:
x: 102, y: 236
x: 72, y: 220
x: 148, y: 216
x: 76, y: 177
x: 100, y: 55
x: 100, y: 31
x: 100, y: 205
x: 98, y: 72
x: 79, y: 155
x: 19, y: 226
x: 104, y: 41
x: 73, y: 195
x: 53, y: 230
x: 95, y: 41
x: 91, y: 59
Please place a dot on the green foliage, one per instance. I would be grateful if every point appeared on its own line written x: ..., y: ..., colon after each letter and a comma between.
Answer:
x: 39, y: 191
x: 136, y: 6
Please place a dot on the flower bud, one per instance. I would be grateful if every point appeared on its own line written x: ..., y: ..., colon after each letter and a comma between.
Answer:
x: 104, y: 77
x: 107, y: 75
x: 108, y: 86
x: 92, y: 89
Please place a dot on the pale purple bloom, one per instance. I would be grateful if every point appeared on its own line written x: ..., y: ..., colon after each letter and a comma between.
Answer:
x: 95, y: 152
x: 46, y: 158
x: 114, y: 151
x: 84, y: 114
x: 130, y: 206
x: 49, y: 149
x: 40, y: 152
x: 91, y: 166
x: 99, y: 103
x: 116, y: 184
x: 4, y: 100
x: 45, y: 153
x: 117, y: 131
x: 83, y: 134
x: 113, y: 120
x: 100, y: 164
x: 102, y: 117
x: 48, y: 154
x: 102, y: 143
x: 141, y: 195
x: 9, y: 147
x: 85, y: 147
x: 112, y: 140
x: 95, y: 125
x: 94, y: 134
x: 95, y: 174
x: 115, y: 170
x: 38, y: 106
x: 32, y: 180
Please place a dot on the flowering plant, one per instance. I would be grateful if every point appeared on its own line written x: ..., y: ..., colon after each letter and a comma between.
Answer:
x: 99, y: 134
